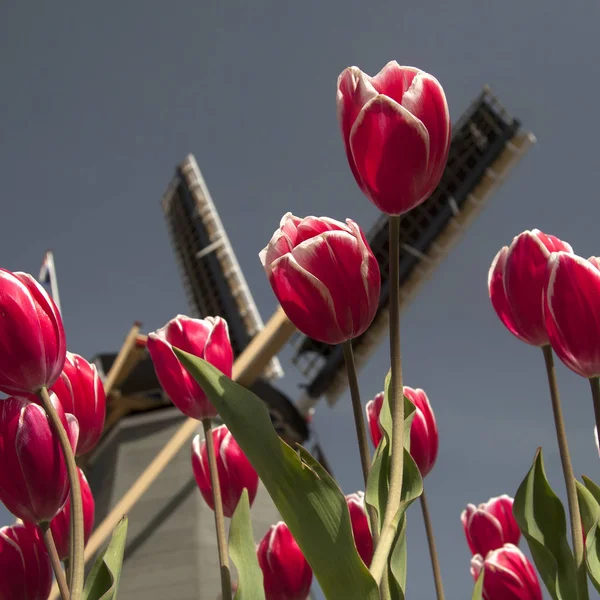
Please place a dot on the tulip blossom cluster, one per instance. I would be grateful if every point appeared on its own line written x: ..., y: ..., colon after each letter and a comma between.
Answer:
x: 492, y: 535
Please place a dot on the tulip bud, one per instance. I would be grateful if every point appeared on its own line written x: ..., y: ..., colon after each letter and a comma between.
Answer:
x: 424, y: 440
x: 206, y: 338
x: 570, y: 297
x: 508, y: 575
x: 516, y: 280
x: 61, y: 523
x: 286, y: 574
x: 33, y: 476
x: 235, y: 471
x: 25, y: 569
x: 490, y: 525
x: 32, y: 338
x: 360, y: 526
x: 324, y: 275
x: 396, y: 130
x: 81, y: 393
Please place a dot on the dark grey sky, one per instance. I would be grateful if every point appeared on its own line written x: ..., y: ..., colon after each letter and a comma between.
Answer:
x: 100, y: 100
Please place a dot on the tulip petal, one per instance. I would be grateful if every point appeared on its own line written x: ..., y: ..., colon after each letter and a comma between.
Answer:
x: 394, y: 80
x: 217, y: 350
x: 390, y: 148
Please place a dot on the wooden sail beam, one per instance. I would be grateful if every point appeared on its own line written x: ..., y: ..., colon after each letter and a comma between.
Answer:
x: 248, y: 366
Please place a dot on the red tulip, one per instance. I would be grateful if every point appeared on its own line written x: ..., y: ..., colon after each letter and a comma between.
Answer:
x: 324, y: 275
x: 490, y: 525
x: 571, y: 309
x: 33, y: 477
x: 360, y: 526
x: 396, y: 130
x: 61, y: 523
x: 424, y: 439
x: 508, y: 575
x: 286, y: 574
x: 32, y: 338
x: 206, y: 338
x: 516, y: 280
x: 235, y: 471
x: 81, y: 393
x: 25, y: 570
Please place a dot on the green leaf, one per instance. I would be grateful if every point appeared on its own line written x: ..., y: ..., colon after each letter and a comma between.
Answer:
x: 592, y: 558
x: 588, y: 507
x: 592, y: 488
x: 541, y: 518
x: 308, y: 499
x: 103, y: 581
x: 397, y: 563
x: 242, y: 550
x: 478, y: 590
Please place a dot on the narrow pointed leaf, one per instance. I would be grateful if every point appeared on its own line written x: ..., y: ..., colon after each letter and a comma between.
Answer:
x: 541, y: 518
x: 308, y: 499
x: 397, y: 566
x: 242, y: 550
x: 592, y: 558
x: 103, y: 581
x: 588, y: 507
x: 478, y: 589
x: 592, y: 488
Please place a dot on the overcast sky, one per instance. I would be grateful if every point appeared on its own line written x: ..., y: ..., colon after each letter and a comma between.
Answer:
x: 100, y: 101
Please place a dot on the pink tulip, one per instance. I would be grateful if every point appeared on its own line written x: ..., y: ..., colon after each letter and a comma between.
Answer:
x: 508, y: 575
x: 25, y: 570
x: 490, y: 525
x: 571, y: 310
x: 396, y: 130
x: 33, y: 477
x: 81, y: 393
x: 424, y: 439
x: 516, y: 280
x: 206, y: 338
x: 235, y: 471
x: 286, y: 574
x: 360, y: 526
x: 32, y: 338
x: 60, y: 525
x: 324, y: 275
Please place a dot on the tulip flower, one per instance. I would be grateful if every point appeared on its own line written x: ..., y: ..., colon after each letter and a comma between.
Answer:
x: 235, y: 471
x: 25, y: 569
x: 60, y: 525
x: 360, y: 526
x: 286, y: 574
x: 206, y: 338
x: 324, y: 275
x: 516, y: 280
x: 490, y: 525
x: 81, y: 393
x: 508, y: 575
x: 33, y: 477
x: 32, y: 338
x: 396, y: 131
x: 424, y: 440
x: 571, y: 310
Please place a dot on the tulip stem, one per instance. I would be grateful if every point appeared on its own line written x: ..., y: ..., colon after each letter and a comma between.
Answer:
x: 595, y: 385
x: 61, y: 580
x: 435, y: 563
x: 76, y: 549
x: 388, y: 529
x: 567, y: 467
x: 219, y: 518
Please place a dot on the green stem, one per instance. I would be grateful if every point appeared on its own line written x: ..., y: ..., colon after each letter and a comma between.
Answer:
x: 435, y: 563
x: 219, y: 517
x: 388, y: 529
x: 76, y: 551
x: 361, y: 431
x: 567, y: 467
x: 55, y: 561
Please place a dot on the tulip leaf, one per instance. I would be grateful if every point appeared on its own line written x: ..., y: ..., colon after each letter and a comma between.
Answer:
x: 242, y: 550
x: 592, y: 558
x: 103, y: 581
x: 308, y: 499
x: 541, y: 518
x: 592, y: 488
x: 478, y: 589
x: 397, y: 563
x: 588, y: 507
